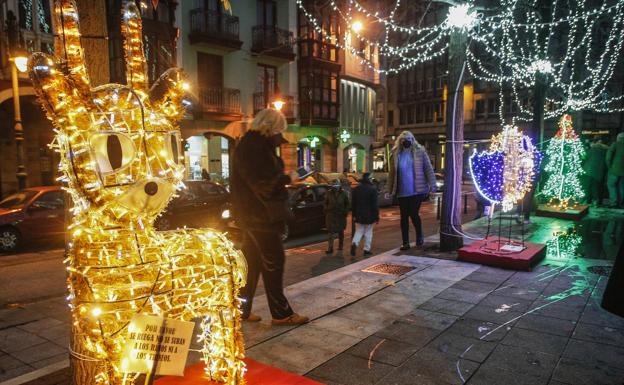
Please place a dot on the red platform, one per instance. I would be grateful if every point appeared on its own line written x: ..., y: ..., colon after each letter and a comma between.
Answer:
x: 257, y: 374
x: 573, y: 213
x: 486, y: 252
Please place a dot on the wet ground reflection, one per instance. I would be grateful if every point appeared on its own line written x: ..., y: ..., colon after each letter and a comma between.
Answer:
x: 589, y: 238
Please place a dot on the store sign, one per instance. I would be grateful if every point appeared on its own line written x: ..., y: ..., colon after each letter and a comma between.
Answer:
x: 158, y: 340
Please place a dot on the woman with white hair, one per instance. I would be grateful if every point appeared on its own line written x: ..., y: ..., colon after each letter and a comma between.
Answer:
x: 411, y: 179
x: 259, y: 204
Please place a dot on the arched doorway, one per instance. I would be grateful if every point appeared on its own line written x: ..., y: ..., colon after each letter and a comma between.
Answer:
x: 210, y: 152
x: 354, y: 158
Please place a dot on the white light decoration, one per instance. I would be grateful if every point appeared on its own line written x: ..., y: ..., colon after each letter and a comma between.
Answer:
x: 462, y: 17
x: 541, y: 66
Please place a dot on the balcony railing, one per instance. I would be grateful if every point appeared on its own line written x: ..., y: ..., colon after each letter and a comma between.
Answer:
x: 208, y: 26
x: 220, y: 100
x: 262, y: 100
x: 273, y: 41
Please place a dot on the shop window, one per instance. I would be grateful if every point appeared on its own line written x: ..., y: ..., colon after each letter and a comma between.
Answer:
x: 480, y: 108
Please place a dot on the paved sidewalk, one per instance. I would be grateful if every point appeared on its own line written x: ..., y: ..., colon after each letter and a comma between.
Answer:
x: 448, y: 322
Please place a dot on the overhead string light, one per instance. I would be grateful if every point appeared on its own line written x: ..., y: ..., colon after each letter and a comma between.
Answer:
x: 514, y: 47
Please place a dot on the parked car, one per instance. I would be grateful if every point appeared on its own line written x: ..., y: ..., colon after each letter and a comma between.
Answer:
x: 201, y: 204
x: 306, y: 202
x: 35, y: 213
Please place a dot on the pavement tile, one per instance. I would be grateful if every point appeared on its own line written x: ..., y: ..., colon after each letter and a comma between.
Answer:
x: 491, y: 375
x: 15, y: 372
x: 430, y: 366
x: 346, y: 326
x: 383, y: 350
x: 544, y: 324
x: 489, y: 275
x: 446, y: 306
x: 528, y: 292
x: 500, y: 315
x: 412, y: 334
x: 596, y: 315
x: 481, y: 330
x: 477, y: 287
x: 51, y: 360
x: 500, y: 301
x: 462, y: 295
x: 322, y: 380
x: 593, y: 353
x: 535, y: 341
x: 301, y: 349
x: 522, y: 361
x: 599, y: 334
x: 17, y: 316
x: 429, y: 319
x: 581, y: 372
x: 39, y: 352
x: 14, y: 339
x: 8, y: 362
x: 564, y: 312
x: 461, y: 346
x: 348, y: 369
x: 36, y: 327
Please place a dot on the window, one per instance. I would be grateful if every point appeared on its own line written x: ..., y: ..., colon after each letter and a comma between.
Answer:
x: 493, y: 104
x: 429, y: 84
x: 439, y: 112
x: 52, y: 200
x: 391, y: 118
x: 429, y: 113
x: 419, y: 85
x: 322, y: 46
x: 420, y: 116
x: 318, y: 92
x: 266, y: 13
x: 480, y: 108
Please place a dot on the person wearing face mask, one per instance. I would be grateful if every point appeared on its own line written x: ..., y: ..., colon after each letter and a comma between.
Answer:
x: 260, y: 208
x: 336, y: 208
x: 411, y: 179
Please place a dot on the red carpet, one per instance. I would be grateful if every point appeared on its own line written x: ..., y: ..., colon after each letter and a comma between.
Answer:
x: 257, y: 374
x: 486, y: 253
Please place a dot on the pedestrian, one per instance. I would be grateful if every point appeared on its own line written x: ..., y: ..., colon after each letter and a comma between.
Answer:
x: 260, y: 208
x: 205, y: 175
x: 336, y: 208
x: 365, y: 213
x: 411, y: 179
x: 615, y: 164
x: 595, y: 171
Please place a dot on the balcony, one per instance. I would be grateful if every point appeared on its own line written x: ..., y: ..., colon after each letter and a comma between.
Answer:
x: 272, y: 41
x: 214, y: 28
x: 220, y: 103
x: 262, y: 100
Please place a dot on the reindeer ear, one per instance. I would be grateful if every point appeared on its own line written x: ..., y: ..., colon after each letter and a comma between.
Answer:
x: 56, y: 90
x: 132, y: 29
x: 69, y: 47
x: 169, y: 92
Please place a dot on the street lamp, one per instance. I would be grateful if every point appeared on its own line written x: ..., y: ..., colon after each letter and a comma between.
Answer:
x: 357, y: 26
x: 277, y: 102
x: 19, y: 62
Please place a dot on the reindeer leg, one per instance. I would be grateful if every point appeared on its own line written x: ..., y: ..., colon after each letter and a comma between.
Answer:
x: 223, y: 347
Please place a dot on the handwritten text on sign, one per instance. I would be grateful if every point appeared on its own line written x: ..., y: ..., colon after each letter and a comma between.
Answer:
x: 150, y: 339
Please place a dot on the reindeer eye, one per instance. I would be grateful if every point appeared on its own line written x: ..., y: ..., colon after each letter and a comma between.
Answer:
x: 112, y: 151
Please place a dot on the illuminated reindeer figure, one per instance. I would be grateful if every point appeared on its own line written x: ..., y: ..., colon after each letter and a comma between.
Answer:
x: 121, y: 158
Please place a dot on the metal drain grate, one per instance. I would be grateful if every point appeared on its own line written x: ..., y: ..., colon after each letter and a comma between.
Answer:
x: 387, y: 268
x: 600, y: 270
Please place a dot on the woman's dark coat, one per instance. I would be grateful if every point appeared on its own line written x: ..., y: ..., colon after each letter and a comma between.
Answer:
x: 258, y: 184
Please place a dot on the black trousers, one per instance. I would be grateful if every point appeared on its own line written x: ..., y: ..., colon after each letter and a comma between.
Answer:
x: 409, y: 208
x: 332, y: 236
x: 264, y: 253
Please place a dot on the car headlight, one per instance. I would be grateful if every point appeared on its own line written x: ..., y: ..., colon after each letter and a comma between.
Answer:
x: 225, y: 214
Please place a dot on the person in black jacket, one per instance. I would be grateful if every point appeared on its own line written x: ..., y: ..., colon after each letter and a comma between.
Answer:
x: 259, y: 204
x: 365, y: 213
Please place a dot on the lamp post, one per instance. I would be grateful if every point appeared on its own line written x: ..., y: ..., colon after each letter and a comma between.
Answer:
x: 19, y: 63
x: 460, y: 19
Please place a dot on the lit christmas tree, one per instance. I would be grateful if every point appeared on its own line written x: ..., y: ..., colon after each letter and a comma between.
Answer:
x: 564, y: 156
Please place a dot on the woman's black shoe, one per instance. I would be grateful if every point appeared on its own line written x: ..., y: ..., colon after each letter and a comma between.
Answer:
x: 420, y: 242
x: 329, y: 251
x: 405, y: 247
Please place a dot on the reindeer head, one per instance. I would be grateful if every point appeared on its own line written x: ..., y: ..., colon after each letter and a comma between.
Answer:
x: 119, y: 144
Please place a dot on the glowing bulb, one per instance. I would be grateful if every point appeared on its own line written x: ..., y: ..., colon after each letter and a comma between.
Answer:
x: 96, y: 312
x: 542, y: 66
x: 461, y: 16
x: 357, y: 26
x: 278, y: 104
x: 186, y: 86
x: 21, y: 63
